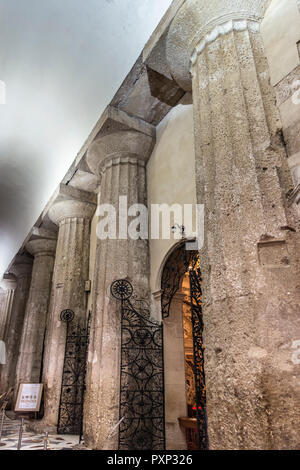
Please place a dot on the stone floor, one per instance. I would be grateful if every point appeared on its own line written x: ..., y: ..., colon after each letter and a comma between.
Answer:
x: 32, y: 441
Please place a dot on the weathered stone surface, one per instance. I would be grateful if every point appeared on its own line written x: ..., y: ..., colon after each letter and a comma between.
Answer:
x: 243, y: 178
x: 29, y: 364
x: 288, y: 86
x: 12, y: 336
x: 250, y: 262
x: 154, y: 52
x: 84, y: 181
x: 163, y: 88
x: 195, y: 20
x: 71, y: 270
x: 134, y: 145
x: 135, y: 98
x: 7, y: 288
x: 122, y: 175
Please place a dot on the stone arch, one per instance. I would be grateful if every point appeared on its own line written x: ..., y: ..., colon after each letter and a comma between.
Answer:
x: 182, y: 331
x: 168, y: 254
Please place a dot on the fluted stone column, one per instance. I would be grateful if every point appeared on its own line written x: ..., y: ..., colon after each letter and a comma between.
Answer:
x: 30, y: 359
x: 250, y: 260
x: 119, y: 158
x: 13, y: 331
x: 71, y: 271
x: 8, y: 285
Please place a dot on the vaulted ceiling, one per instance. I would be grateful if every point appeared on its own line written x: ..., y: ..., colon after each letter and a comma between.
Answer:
x: 62, y: 61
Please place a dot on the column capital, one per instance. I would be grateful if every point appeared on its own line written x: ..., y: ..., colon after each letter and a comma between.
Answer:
x: 121, y: 147
x: 22, y: 266
x: 199, y: 22
x: 71, y: 209
x: 9, y: 282
x: 41, y: 246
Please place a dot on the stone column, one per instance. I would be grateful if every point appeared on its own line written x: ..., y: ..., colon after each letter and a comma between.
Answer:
x: 120, y: 160
x: 8, y: 285
x: 71, y: 271
x: 30, y: 359
x: 22, y: 270
x: 250, y: 260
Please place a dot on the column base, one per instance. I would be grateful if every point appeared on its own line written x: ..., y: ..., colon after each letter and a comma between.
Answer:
x: 41, y: 427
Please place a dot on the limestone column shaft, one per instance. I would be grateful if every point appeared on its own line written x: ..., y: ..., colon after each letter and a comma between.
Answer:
x: 8, y: 285
x: 241, y: 159
x: 120, y: 159
x: 250, y: 260
x: 71, y: 271
x: 13, y: 331
x: 32, y: 343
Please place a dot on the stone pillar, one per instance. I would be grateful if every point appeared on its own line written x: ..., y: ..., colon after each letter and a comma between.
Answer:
x: 71, y: 271
x: 8, y: 285
x: 30, y: 359
x: 119, y: 158
x: 250, y: 260
x: 13, y: 331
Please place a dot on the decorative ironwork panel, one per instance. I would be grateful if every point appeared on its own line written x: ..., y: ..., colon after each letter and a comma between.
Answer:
x: 172, y: 276
x: 73, y: 379
x: 142, y: 415
x: 197, y: 323
x: 179, y: 264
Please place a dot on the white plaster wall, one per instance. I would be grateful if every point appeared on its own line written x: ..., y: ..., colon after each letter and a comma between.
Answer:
x: 171, y: 175
x: 281, y: 32
x: 171, y: 167
x: 62, y: 62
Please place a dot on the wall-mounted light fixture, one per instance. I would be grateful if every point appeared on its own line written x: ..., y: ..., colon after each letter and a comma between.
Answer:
x: 180, y: 227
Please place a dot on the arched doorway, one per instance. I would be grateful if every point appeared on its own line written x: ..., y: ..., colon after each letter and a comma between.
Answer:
x: 185, y: 393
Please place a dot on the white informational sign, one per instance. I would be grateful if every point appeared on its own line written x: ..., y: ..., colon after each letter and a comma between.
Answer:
x: 29, y: 397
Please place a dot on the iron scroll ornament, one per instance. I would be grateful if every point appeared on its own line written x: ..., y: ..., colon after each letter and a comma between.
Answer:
x: 141, y: 408
x: 70, y: 418
x: 67, y: 316
x: 121, y: 289
x: 180, y: 263
x: 198, y: 350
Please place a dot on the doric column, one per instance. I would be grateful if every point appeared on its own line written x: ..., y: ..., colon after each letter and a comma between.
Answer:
x: 119, y: 158
x: 71, y: 271
x: 32, y: 343
x: 8, y: 285
x: 22, y: 270
x: 250, y: 261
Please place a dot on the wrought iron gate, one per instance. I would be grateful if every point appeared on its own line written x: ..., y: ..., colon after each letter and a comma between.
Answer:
x: 197, y: 323
x: 180, y: 263
x: 73, y: 379
x: 142, y: 410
